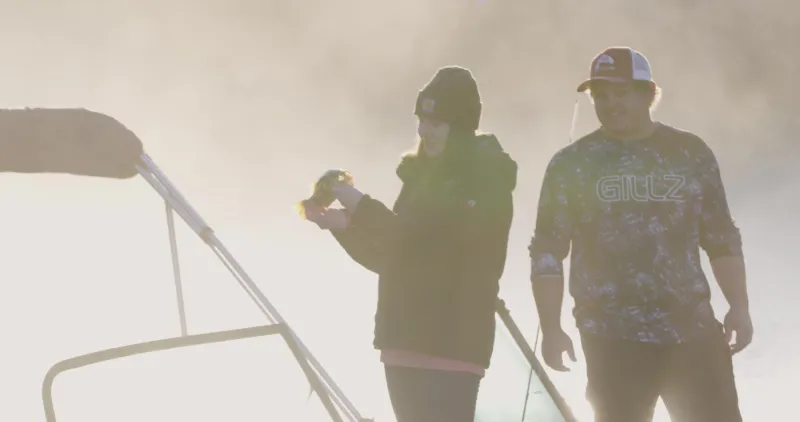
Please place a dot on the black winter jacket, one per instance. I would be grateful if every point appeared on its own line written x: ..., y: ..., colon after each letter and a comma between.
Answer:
x: 441, y: 250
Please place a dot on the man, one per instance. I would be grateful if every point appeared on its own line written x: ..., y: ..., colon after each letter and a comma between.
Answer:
x: 636, y: 200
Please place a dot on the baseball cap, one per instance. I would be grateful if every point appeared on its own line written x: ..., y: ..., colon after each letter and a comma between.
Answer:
x: 618, y: 64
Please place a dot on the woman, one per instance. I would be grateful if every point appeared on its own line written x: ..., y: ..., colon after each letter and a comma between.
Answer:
x: 439, y: 253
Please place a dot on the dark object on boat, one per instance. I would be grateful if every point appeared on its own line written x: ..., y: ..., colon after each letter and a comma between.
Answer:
x: 73, y: 141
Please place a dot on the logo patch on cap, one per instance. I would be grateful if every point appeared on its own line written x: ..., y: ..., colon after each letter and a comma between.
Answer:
x: 604, y: 62
x: 428, y: 105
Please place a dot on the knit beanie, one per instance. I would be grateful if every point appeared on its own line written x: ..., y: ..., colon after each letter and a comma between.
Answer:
x: 451, y: 96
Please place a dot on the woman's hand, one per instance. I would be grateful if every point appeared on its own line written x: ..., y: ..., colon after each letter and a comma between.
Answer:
x: 327, y: 218
x: 347, y: 195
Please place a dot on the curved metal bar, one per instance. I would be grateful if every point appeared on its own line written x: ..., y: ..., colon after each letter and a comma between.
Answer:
x: 185, y: 341
x: 530, y: 355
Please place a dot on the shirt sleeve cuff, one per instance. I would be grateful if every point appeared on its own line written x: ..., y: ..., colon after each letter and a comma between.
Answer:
x: 363, y: 212
x: 722, y: 251
x: 546, y: 265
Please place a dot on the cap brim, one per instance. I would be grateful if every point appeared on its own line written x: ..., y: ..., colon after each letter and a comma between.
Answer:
x: 588, y: 83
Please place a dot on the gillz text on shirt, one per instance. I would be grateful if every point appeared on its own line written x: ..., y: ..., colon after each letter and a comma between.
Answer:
x: 641, y: 188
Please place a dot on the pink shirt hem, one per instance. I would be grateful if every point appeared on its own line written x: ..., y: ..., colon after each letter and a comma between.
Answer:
x: 409, y: 359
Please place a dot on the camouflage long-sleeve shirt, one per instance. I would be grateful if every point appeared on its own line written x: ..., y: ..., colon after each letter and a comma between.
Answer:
x: 636, y: 215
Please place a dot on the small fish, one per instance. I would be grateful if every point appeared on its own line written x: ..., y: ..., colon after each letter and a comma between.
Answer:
x: 322, y: 195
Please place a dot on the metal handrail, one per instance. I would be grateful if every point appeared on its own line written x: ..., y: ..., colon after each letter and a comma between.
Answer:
x: 533, y: 361
x: 180, y: 342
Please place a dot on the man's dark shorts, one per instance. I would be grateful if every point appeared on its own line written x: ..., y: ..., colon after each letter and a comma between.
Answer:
x: 695, y: 380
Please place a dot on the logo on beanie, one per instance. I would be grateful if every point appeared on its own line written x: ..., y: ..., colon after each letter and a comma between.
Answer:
x: 427, y: 105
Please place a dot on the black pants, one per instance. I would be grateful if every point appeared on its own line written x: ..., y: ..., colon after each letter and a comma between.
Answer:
x: 695, y: 380
x: 421, y: 395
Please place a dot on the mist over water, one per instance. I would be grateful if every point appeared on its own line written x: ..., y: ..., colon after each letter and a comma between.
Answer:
x: 244, y: 104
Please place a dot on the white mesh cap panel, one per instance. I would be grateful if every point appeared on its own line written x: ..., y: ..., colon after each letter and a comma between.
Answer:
x: 641, y: 67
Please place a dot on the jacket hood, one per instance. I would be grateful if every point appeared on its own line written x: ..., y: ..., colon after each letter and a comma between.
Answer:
x: 480, y: 155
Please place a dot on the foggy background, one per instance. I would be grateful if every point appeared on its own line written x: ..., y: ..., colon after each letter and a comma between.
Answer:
x: 245, y: 104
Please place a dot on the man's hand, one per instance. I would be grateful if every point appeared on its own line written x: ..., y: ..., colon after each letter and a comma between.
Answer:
x: 554, y: 345
x: 730, y: 274
x: 738, y: 321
